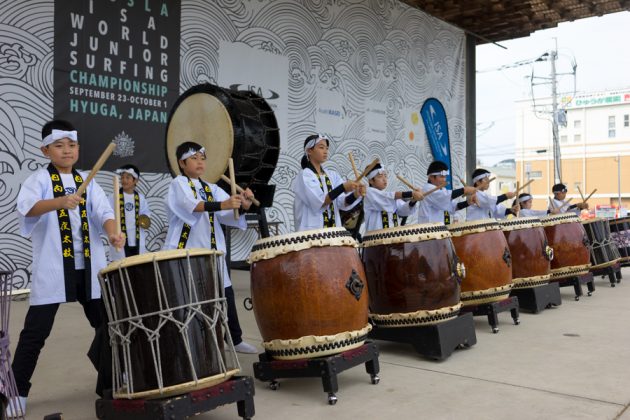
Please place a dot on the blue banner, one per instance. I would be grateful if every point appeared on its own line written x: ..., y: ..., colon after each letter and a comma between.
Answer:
x: 434, y: 118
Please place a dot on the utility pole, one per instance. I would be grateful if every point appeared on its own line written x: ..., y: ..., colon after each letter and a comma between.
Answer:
x: 554, y: 120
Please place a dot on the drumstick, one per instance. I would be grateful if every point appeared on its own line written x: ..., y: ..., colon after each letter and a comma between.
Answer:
x: 117, y: 206
x: 240, y: 189
x: 519, y: 189
x: 367, y: 170
x: 97, y: 167
x: 404, y: 181
x: 233, y: 183
x: 580, y: 191
x: 565, y: 203
x: 553, y: 206
x: 462, y: 181
x: 354, y: 167
x: 589, y: 196
x: 518, y: 203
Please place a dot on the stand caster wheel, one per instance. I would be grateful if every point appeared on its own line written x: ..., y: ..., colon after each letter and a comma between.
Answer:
x: 495, y: 330
x: 576, y: 298
x: 517, y: 321
x: 612, y: 284
x: 274, y: 385
x: 375, y: 379
x: 332, y: 399
x: 589, y: 294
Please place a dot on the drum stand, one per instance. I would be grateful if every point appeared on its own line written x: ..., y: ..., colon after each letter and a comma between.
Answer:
x: 613, y: 272
x: 327, y: 368
x: 435, y: 341
x: 493, y: 308
x: 535, y: 299
x: 238, y: 389
x: 577, y: 282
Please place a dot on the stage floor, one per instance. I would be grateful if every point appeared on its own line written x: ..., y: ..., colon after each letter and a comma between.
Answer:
x: 567, y: 362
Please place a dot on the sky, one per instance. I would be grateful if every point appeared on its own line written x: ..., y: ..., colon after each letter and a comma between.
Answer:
x: 600, y: 46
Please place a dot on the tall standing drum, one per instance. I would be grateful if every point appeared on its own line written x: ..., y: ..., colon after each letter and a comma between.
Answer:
x: 482, y: 247
x: 413, y: 275
x: 531, y: 254
x: 309, y: 293
x: 604, y: 252
x: 570, y: 245
x: 167, y: 318
x: 620, y: 235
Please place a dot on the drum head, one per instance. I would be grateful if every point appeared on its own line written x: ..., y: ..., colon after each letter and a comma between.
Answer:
x: 202, y: 118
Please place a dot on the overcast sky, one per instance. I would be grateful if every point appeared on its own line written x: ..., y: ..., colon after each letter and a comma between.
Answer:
x: 600, y: 46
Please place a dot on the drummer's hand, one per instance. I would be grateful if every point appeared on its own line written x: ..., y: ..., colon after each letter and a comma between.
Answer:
x: 472, y: 200
x: 360, y: 191
x: 416, y: 195
x: 69, y: 202
x: 350, y: 186
x: 117, y: 240
x: 510, y: 194
x: 469, y: 190
x: 246, y: 198
x: 582, y: 206
x: 234, y: 202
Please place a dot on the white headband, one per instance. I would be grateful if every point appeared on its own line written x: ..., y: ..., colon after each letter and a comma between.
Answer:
x: 525, y: 198
x: 480, y: 177
x: 58, y: 135
x: 193, y: 152
x: 313, y: 142
x: 440, y: 173
x: 375, y: 172
x: 129, y: 171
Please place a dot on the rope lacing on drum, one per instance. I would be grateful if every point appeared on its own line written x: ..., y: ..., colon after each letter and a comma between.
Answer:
x: 401, y: 233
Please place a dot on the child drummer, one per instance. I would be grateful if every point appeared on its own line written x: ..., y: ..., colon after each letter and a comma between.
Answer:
x: 383, y: 208
x: 196, y: 211
x: 133, y: 210
x: 320, y: 193
x: 65, y: 231
x: 525, y: 201
x: 560, y: 202
x: 488, y: 205
x: 440, y: 205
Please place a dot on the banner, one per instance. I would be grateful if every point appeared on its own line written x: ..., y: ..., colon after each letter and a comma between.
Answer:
x: 116, y: 76
x: 436, y: 126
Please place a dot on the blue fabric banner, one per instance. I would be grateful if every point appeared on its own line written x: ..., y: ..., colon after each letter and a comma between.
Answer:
x: 434, y: 118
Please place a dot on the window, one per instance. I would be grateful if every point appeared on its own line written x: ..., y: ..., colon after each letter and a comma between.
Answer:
x: 535, y: 175
x: 626, y: 120
x: 611, y: 127
x: 577, y: 138
x: 563, y: 139
x: 577, y: 124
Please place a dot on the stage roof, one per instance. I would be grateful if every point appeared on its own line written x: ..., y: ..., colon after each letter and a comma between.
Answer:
x: 496, y: 20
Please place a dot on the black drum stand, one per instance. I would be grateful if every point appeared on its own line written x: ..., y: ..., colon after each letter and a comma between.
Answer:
x: 613, y: 272
x: 327, y: 368
x: 493, y: 308
x: 238, y: 389
x: 535, y: 299
x: 435, y: 341
x: 577, y: 282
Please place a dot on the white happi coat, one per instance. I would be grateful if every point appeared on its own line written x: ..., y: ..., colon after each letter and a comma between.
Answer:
x: 181, y: 203
x: 130, y: 222
x: 308, y: 212
x: 532, y: 213
x: 376, y: 201
x: 486, y: 208
x: 566, y: 209
x: 432, y: 207
x: 47, y: 281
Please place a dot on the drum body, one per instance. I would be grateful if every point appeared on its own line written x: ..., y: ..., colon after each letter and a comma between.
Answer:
x: 531, y: 254
x: 166, y: 315
x: 481, y: 247
x: 413, y: 275
x: 620, y: 235
x: 568, y: 239
x: 309, y: 293
x: 603, y: 251
x: 228, y: 123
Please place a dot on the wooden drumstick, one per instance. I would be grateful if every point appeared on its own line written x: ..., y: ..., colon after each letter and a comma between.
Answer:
x: 240, y: 189
x: 117, y: 206
x: 354, y: 167
x: 233, y: 183
x: 97, y: 167
x: 553, y: 206
x: 367, y: 170
x: 589, y: 196
x: 580, y: 191
x: 519, y: 189
x: 462, y: 181
x: 404, y: 181
x: 566, y: 203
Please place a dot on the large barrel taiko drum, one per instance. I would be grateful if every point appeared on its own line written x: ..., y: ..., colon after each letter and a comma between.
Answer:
x: 167, y: 320
x: 568, y: 239
x: 309, y: 293
x: 413, y: 275
x: 228, y: 123
x: 481, y: 247
x: 531, y: 253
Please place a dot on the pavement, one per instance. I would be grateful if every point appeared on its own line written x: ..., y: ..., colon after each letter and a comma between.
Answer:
x: 566, y: 362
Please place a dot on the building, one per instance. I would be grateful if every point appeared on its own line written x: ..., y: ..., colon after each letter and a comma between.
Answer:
x: 594, y: 138
x: 504, y: 173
